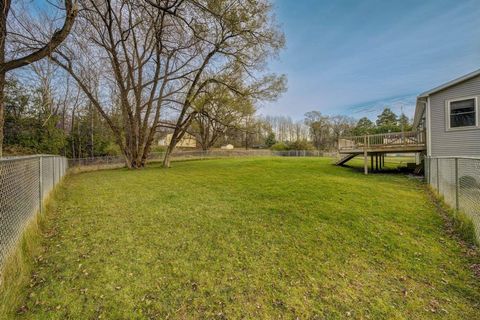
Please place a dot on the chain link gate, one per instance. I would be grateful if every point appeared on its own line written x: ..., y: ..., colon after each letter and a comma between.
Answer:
x: 25, y: 182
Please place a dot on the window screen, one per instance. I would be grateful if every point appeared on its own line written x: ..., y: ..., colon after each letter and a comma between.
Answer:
x: 462, y: 113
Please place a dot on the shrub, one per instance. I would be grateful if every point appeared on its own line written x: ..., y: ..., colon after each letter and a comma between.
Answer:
x: 279, y: 146
x: 112, y: 149
x: 301, y: 145
x: 270, y: 140
x: 157, y: 148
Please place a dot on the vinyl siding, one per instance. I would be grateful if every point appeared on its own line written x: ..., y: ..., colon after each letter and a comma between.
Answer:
x: 453, y: 143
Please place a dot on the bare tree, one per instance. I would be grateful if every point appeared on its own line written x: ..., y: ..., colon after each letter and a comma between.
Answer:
x: 232, y: 35
x: 341, y: 125
x: 320, y: 128
x: 136, y: 61
x: 141, y: 56
x: 218, y: 111
x: 12, y: 60
x: 287, y: 130
x: 325, y: 130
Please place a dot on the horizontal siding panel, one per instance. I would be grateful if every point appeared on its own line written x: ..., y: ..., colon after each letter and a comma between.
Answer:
x: 453, y: 143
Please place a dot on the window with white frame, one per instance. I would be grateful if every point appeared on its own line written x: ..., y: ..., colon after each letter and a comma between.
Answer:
x: 462, y: 113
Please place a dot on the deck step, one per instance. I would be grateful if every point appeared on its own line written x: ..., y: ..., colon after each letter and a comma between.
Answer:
x: 419, y: 170
x: 346, y: 158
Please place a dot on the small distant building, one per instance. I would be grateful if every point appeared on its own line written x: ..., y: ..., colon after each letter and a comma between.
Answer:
x: 227, y: 147
x: 187, y: 141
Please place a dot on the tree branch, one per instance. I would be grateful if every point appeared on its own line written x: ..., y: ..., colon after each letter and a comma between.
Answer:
x: 47, y: 49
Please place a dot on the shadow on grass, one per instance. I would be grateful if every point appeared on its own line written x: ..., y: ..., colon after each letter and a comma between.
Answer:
x: 397, y: 170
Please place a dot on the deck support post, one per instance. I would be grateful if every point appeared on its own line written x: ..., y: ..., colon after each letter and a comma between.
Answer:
x: 365, y: 161
x: 365, y: 154
x: 371, y: 162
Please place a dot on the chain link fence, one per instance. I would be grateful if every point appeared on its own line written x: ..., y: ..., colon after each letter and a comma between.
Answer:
x: 201, y: 154
x: 457, y: 179
x: 25, y: 183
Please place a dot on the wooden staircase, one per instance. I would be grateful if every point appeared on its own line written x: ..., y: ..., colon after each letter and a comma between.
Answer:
x: 346, y: 158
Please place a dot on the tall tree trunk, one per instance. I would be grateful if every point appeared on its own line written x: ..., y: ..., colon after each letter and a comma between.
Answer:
x: 4, y: 8
x: 168, y: 152
x: 176, y: 137
x: 64, y: 148
x: 92, y: 150
x: 72, y: 134
x: 135, y: 157
x: 80, y: 155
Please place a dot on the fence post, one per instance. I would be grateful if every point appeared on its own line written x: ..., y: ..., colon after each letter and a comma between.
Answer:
x: 438, y: 177
x: 40, y: 184
x: 429, y: 170
x: 53, y: 169
x: 457, y: 186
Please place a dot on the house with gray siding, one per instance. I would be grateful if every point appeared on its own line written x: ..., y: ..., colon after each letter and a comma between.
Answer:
x: 446, y: 124
x: 450, y: 116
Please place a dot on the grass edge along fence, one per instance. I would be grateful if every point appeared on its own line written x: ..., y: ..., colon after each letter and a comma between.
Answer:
x: 457, y: 180
x: 25, y: 184
x: 201, y: 154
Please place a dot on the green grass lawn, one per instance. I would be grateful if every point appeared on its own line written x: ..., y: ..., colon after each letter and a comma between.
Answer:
x: 248, y: 238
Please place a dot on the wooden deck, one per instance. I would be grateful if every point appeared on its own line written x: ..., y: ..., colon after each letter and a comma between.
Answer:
x: 411, y: 141
x: 377, y: 145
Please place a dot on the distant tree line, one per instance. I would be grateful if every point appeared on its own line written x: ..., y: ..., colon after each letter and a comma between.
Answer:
x: 136, y: 68
x: 315, y: 131
x: 37, y: 121
x: 387, y: 121
x: 40, y: 119
x: 24, y: 42
x: 117, y: 74
x: 318, y: 131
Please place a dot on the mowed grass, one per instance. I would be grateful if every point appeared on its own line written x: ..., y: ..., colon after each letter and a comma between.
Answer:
x: 248, y: 238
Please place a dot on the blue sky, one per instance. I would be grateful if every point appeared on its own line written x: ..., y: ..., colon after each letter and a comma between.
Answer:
x: 355, y: 57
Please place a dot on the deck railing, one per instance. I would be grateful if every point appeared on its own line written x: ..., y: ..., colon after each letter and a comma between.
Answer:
x: 383, y: 141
